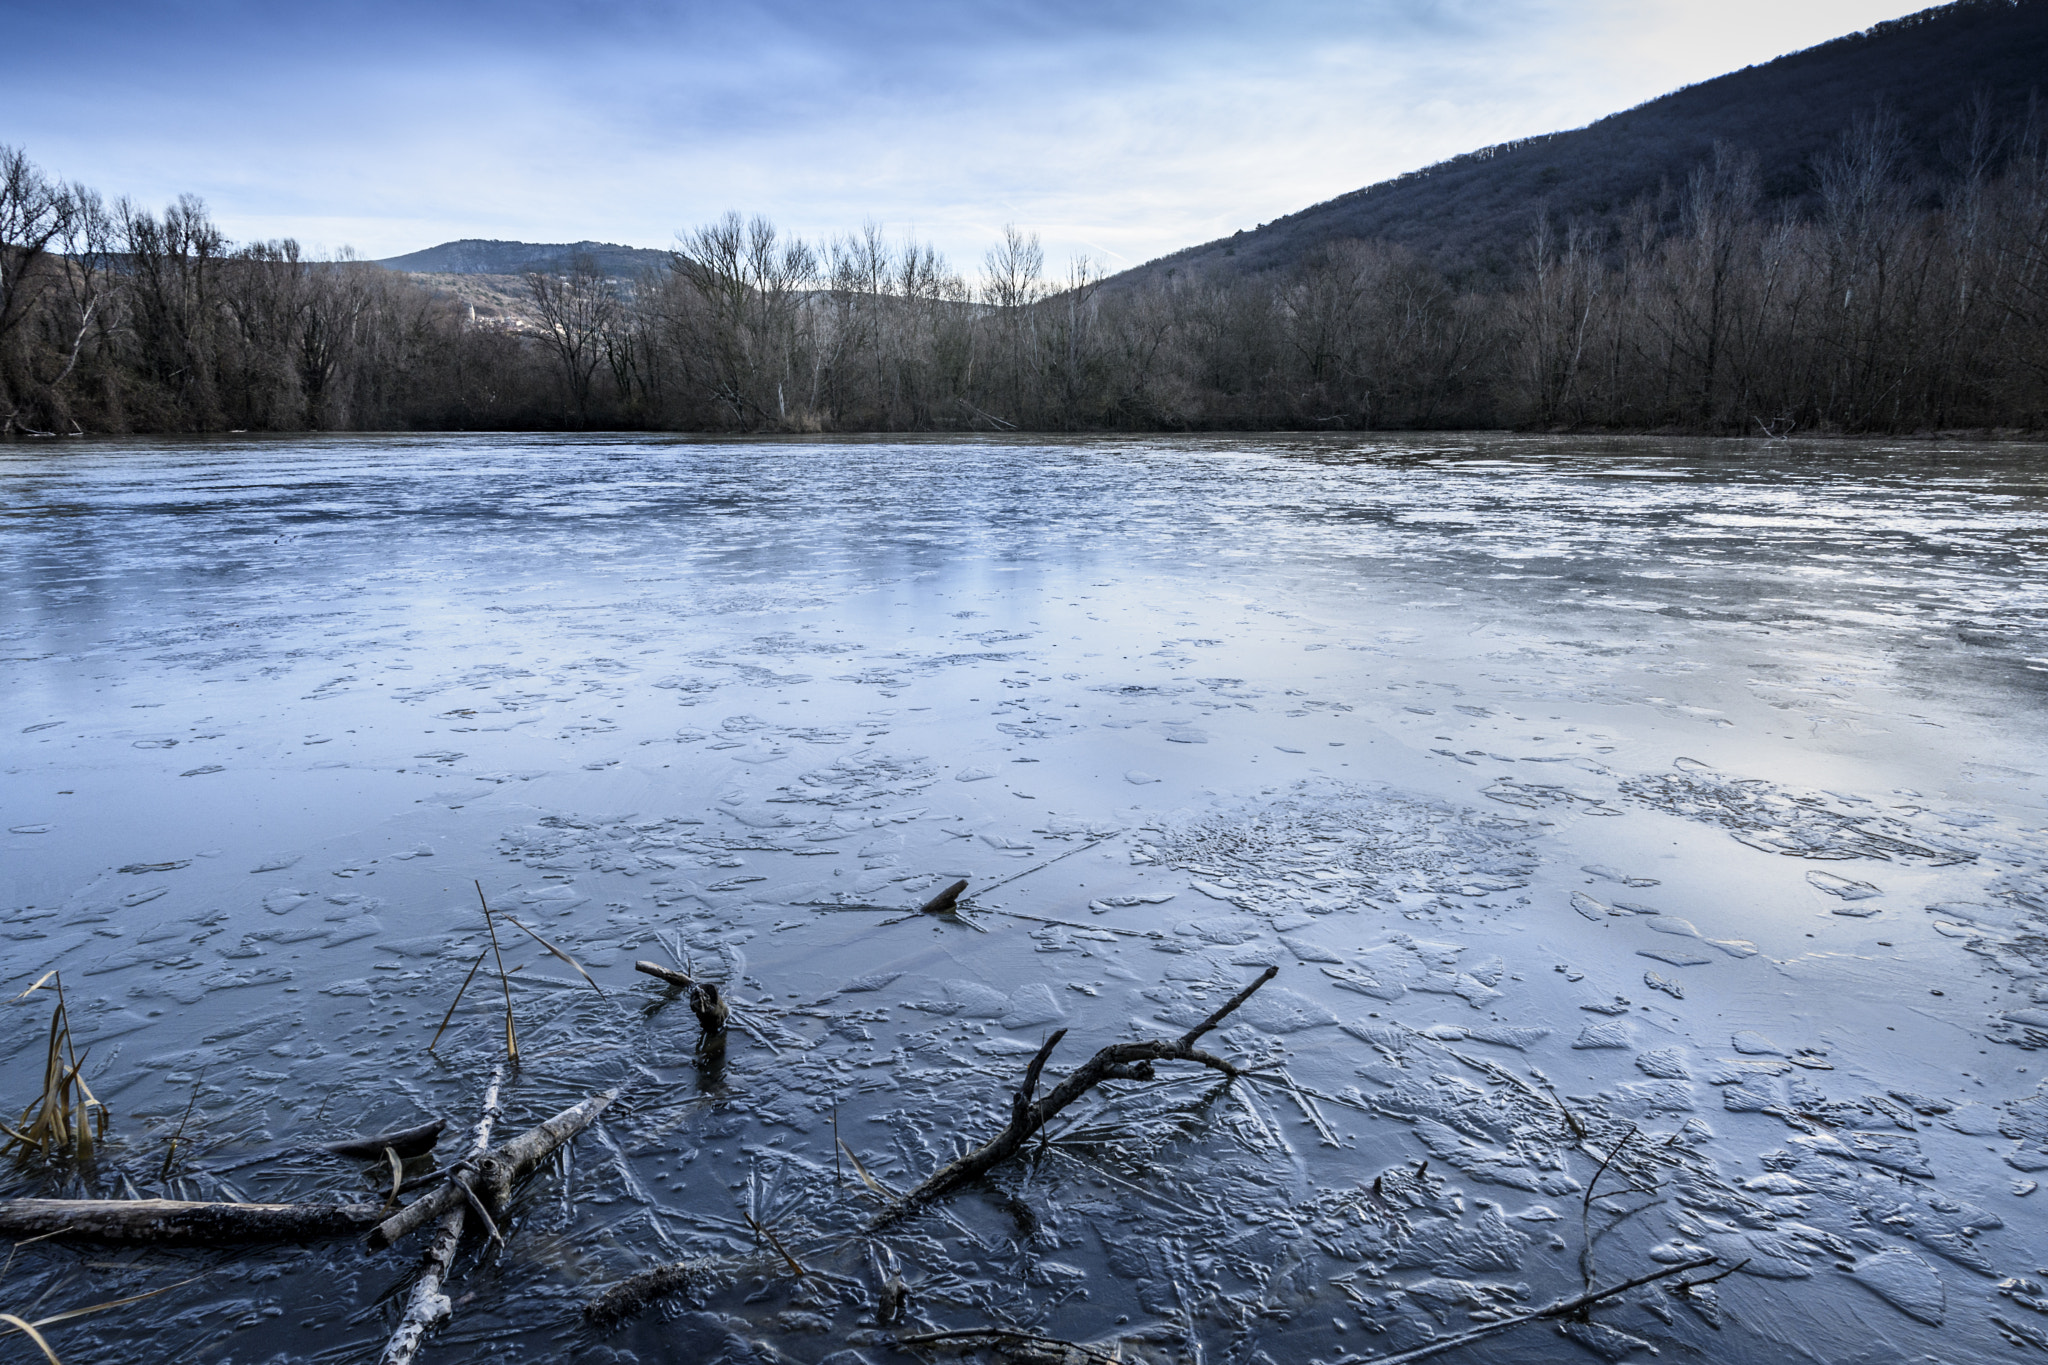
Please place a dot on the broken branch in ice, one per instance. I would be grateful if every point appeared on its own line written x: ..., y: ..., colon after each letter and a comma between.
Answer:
x: 711, y: 1008
x: 502, y: 1167
x: 427, y: 1307
x: 945, y: 902
x: 1117, y: 1062
x: 946, y: 905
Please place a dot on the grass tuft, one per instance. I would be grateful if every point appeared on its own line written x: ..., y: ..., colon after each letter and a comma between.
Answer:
x: 66, y: 1119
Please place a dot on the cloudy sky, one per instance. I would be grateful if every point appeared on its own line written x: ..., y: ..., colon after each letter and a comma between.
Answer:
x: 1113, y: 127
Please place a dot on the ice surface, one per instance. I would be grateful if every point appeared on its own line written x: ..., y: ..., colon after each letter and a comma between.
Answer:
x: 1175, y: 710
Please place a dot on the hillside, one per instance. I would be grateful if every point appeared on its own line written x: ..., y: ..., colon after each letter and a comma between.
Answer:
x: 476, y: 256
x: 1474, y: 211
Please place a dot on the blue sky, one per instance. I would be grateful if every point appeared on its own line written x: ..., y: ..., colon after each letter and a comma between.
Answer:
x: 1117, y: 129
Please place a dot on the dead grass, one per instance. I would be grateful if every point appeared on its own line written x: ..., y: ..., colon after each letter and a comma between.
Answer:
x: 495, y: 951
x: 32, y: 1330
x: 66, y: 1119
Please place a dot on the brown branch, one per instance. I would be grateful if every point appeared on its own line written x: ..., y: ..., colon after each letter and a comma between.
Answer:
x: 711, y: 1008
x: 674, y: 978
x: 946, y: 902
x: 1189, y: 1038
x: 1117, y: 1062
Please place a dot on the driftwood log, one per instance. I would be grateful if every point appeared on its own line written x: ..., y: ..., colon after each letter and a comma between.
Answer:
x: 427, y: 1307
x: 501, y: 1167
x: 180, y: 1221
x: 1117, y: 1062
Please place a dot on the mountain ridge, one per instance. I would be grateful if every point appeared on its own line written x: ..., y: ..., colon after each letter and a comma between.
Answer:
x: 1473, y: 210
x: 492, y: 256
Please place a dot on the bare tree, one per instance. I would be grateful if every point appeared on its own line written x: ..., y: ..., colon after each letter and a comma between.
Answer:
x: 740, y: 318
x: 577, y: 311
x: 34, y: 212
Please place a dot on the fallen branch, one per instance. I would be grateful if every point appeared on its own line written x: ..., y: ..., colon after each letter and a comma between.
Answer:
x: 1563, y: 1308
x: 181, y: 1221
x: 1117, y: 1062
x: 502, y: 1166
x: 427, y: 1307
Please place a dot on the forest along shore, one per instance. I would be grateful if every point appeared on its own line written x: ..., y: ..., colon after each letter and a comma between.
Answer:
x: 1890, y: 298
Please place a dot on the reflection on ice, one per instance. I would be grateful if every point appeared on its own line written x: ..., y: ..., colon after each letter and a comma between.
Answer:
x: 1647, y: 837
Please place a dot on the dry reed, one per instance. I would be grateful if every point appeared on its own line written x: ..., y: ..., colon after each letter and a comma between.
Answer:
x: 66, y: 1118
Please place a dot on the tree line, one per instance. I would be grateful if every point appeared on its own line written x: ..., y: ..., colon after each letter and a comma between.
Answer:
x: 1885, y: 301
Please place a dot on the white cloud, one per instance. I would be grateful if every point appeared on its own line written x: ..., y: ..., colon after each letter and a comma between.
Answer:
x: 1125, y: 131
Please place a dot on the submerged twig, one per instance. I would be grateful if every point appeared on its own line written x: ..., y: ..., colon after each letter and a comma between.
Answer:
x: 1039, y: 867
x: 867, y: 1177
x: 632, y: 1294
x: 1028, y: 1348
x: 1118, y: 1061
x: 171, y: 1151
x: 761, y: 1229
x: 30, y: 1329
x: 406, y: 1142
x: 1563, y: 1308
x: 1075, y: 924
x: 458, y: 998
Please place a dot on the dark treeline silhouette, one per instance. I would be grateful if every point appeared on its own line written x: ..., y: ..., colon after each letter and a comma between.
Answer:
x: 1892, y: 299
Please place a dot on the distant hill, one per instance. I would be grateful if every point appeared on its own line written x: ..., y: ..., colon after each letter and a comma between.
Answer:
x: 1474, y: 211
x: 475, y: 256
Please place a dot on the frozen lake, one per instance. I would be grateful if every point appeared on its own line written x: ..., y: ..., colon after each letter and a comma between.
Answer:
x: 1674, y: 802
